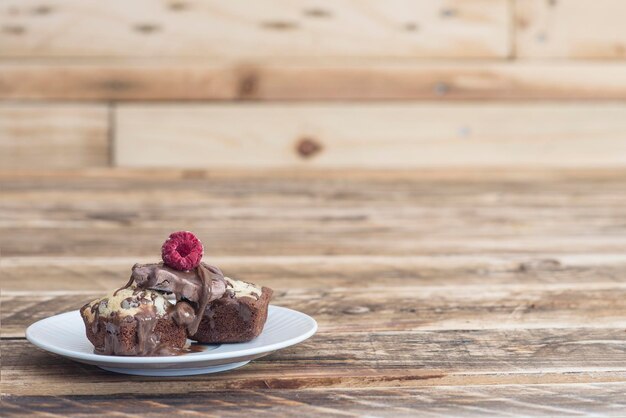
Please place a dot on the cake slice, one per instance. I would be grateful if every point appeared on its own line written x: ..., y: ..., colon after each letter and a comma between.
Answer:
x: 238, y: 316
x: 228, y: 311
x: 136, y: 322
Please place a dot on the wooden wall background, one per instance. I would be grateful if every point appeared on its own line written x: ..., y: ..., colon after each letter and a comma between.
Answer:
x: 312, y: 83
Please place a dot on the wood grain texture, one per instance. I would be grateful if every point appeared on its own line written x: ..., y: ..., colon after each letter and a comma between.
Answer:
x: 268, y: 215
x: 570, y: 29
x: 39, y: 136
x: 472, y: 401
x: 398, y: 28
x: 370, y: 135
x: 396, y: 307
x: 520, y: 311
x: 188, y: 80
x: 98, y: 79
x: 374, y: 359
x: 98, y: 274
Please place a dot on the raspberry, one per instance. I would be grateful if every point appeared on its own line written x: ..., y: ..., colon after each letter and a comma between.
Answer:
x: 182, y: 251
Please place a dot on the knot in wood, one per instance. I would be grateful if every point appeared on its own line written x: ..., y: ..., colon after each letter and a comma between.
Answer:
x: 308, y: 147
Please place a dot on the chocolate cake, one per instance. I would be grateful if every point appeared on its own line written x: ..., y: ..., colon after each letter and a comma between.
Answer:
x: 138, y: 320
x: 238, y: 316
x: 233, y: 310
x: 135, y: 322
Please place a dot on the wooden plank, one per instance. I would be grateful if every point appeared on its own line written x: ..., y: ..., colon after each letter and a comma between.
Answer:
x: 46, y: 275
x: 570, y: 29
x: 452, y: 177
x: 397, y: 28
x: 343, y: 359
x: 38, y: 136
x: 370, y: 136
x: 310, y: 80
x: 103, y: 80
x: 279, y: 215
x: 323, y: 238
x: 602, y: 399
x: 437, y: 81
x: 398, y: 306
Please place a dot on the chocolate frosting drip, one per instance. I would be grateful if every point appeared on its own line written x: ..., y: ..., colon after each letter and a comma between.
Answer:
x: 205, y: 296
x: 197, y: 287
x: 183, y: 314
x: 147, y: 342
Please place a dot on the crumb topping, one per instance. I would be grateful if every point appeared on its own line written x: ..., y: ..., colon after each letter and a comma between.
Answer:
x: 128, y: 302
x: 243, y: 289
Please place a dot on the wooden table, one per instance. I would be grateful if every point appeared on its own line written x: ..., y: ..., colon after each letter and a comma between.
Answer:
x: 437, y: 293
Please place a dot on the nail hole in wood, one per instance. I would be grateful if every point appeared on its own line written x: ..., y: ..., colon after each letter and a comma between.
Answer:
x: 146, y: 28
x: 318, y: 13
x: 448, y: 12
x: 279, y: 25
x: 441, y: 88
x: 411, y: 27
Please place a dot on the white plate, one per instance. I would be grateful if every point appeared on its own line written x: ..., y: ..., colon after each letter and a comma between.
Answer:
x: 64, y: 334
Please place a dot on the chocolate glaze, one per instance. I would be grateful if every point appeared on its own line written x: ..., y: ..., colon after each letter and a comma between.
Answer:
x: 145, y: 319
x: 199, y: 286
x: 205, y: 296
x: 183, y: 314
x: 187, y: 285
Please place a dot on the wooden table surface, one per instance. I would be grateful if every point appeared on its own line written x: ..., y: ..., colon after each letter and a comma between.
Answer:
x: 436, y: 293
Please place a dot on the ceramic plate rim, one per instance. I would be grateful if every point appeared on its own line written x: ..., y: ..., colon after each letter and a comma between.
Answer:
x: 204, y: 356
